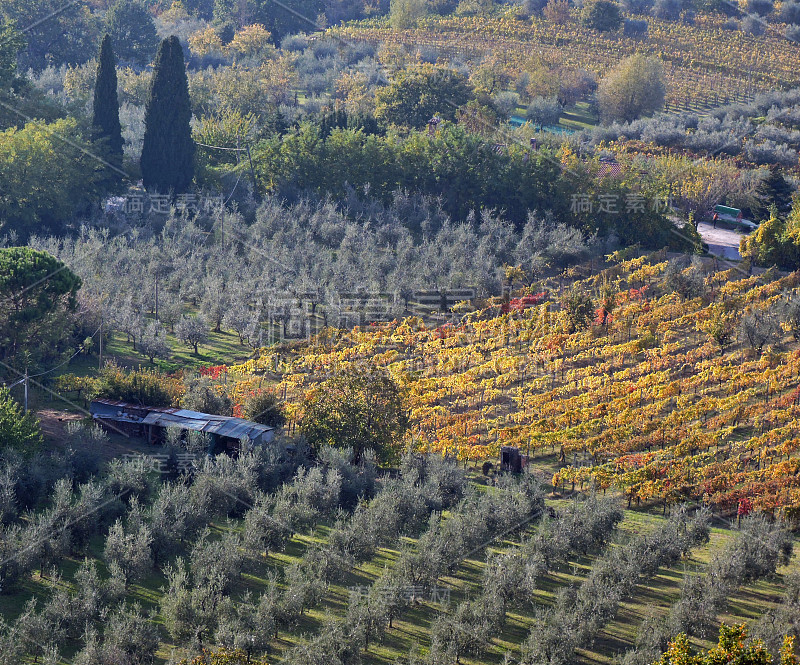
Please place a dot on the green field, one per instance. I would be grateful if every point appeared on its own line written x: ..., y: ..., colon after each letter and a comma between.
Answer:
x: 654, y: 595
x: 580, y: 116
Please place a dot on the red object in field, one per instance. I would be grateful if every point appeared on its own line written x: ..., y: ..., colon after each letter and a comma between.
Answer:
x: 745, y: 507
x: 445, y: 331
x: 214, y: 371
x: 602, y: 317
x: 524, y: 302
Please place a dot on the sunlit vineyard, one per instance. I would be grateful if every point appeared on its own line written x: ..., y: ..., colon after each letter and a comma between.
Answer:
x: 646, y: 402
x: 705, y: 64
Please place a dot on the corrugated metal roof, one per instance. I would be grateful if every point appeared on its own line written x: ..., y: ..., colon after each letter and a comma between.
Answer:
x: 227, y: 426
x: 111, y: 402
x: 234, y: 428
x: 130, y: 405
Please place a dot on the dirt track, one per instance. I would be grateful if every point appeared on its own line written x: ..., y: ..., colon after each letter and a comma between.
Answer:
x: 54, y: 428
x: 721, y: 242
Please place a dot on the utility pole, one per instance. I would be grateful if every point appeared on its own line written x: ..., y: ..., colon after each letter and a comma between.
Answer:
x: 252, y: 171
x: 100, y: 361
x: 24, y: 381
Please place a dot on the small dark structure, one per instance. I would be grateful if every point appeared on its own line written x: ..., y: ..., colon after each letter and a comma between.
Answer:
x: 511, y: 460
x: 733, y: 216
x: 150, y: 422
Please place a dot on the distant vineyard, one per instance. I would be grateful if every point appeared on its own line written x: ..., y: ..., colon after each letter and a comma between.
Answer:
x: 645, y: 402
x: 705, y: 64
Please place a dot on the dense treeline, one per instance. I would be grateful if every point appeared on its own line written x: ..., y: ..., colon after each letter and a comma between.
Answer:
x: 468, y: 173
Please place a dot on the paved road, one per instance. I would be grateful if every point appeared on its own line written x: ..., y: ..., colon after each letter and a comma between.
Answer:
x: 721, y: 242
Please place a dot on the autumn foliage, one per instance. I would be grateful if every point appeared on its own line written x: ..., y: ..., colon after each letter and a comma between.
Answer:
x: 642, y: 401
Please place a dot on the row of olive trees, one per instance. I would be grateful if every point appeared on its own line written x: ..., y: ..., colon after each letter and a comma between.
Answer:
x: 76, y: 514
x: 511, y: 578
x: 470, y: 526
x: 579, y: 613
x: 197, y: 605
x: 754, y: 553
x: 730, y: 129
x: 508, y: 578
x: 94, y: 611
x: 148, y: 524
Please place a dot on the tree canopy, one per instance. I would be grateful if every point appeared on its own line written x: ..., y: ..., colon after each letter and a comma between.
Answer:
x: 731, y: 648
x: 133, y: 32
x: 11, y: 43
x: 37, y: 295
x: 776, y: 241
x: 47, y: 174
x: 602, y: 15
x: 418, y: 94
x: 634, y: 88
x: 360, y: 410
x: 18, y: 431
x: 279, y: 18
x: 56, y: 32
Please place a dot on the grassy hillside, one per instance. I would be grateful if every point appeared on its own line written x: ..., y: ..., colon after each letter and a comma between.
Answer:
x: 653, y: 595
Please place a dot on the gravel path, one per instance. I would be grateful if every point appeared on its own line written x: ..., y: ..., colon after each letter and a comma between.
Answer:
x: 721, y: 242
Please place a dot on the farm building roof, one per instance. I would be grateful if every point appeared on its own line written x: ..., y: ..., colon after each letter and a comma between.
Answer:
x: 227, y: 426
x: 726, y: 210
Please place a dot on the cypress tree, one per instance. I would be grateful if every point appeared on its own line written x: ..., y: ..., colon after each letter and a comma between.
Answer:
x: 105, y: 119
x: 773, y: 190
x: 168, y: 150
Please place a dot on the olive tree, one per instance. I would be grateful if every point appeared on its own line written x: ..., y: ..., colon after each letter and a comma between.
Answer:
x: 759, y: 328
x: 635, y: 87
x: 130, y: 549
x: 192, y: 331
x: 153, y: 341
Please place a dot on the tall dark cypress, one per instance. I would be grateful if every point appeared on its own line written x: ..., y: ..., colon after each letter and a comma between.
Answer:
x: 168, y: 150
x: 105, y: 120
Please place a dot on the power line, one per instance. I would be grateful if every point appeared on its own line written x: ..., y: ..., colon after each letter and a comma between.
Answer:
x: 26, y: 377
x: 219, y: 147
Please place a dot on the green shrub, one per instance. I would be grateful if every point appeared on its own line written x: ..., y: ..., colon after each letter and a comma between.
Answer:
x: 601, y: 15
x: 18, y: 431
x: 264, y: 407
x: 138, y: 386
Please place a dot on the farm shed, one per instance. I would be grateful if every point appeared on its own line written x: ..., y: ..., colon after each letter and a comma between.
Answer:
x: 150, y: 422
x: 512, y: 460
x: 733, y: 216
